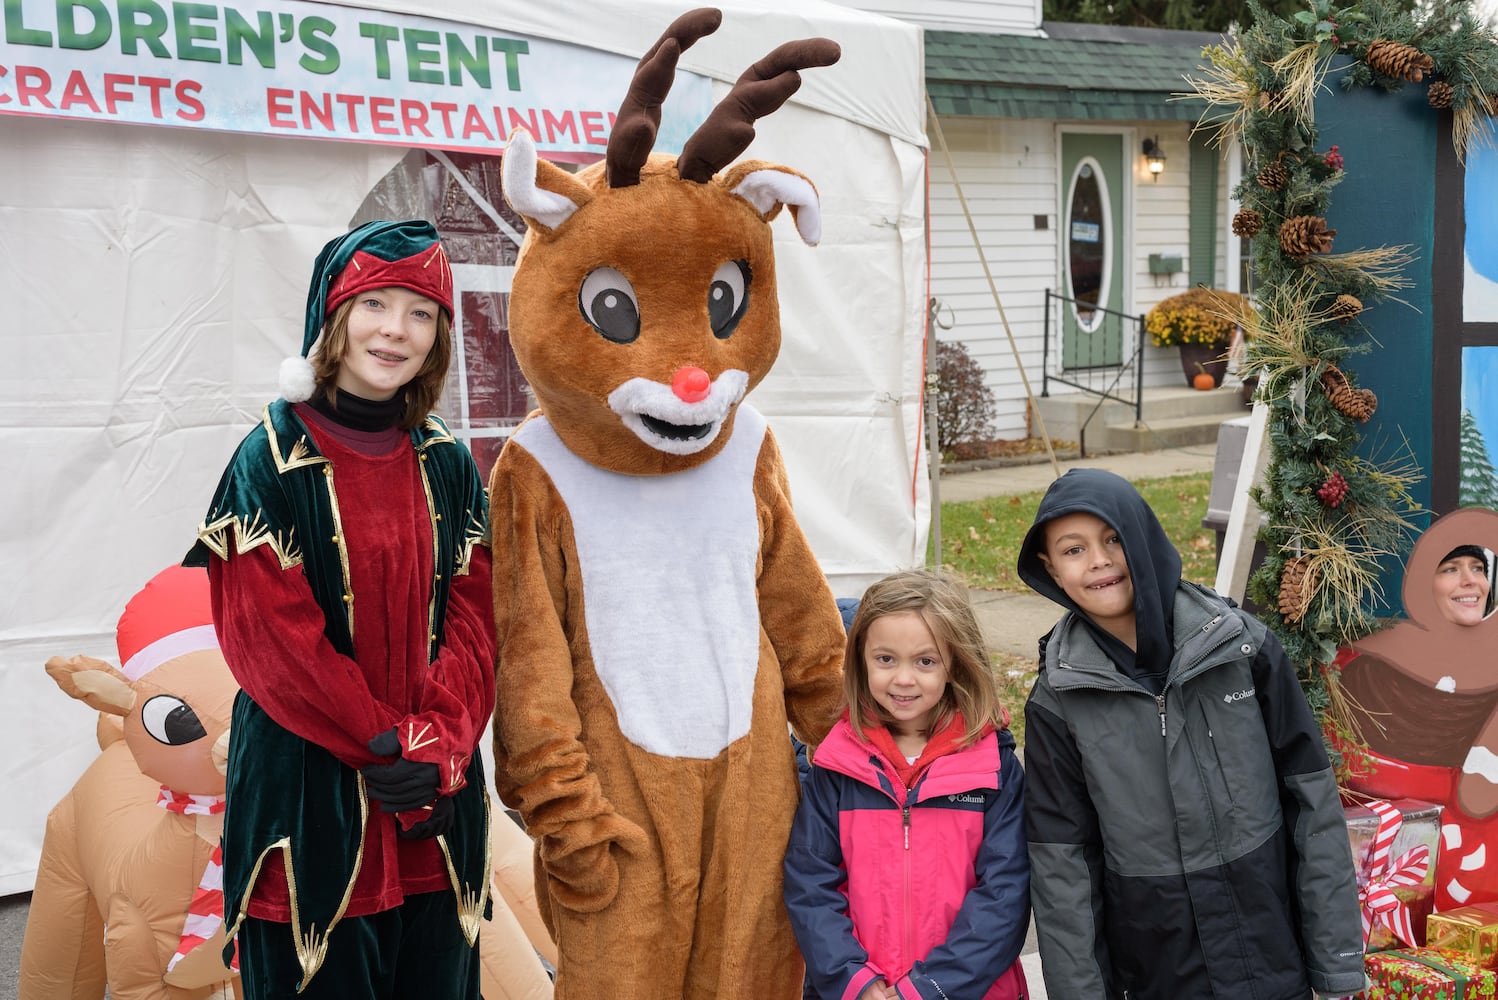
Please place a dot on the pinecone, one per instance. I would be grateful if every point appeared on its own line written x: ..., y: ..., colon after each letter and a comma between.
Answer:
x: 1247, y: 223
x: 1297, y: 585
x: 1273, y: 176
x: 1346, y: 308
x: 1355, y: 404
x: 1440, y: 94
x: 1333, y: 491
x: 1268, y: 99
x: 1398, y: 60
x: 1304, y: 235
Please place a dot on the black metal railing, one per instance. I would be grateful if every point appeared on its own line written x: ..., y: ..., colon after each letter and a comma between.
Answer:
x: 1104, y: 356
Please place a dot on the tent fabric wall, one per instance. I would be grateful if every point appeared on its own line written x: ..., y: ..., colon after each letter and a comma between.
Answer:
x: 156, y: 278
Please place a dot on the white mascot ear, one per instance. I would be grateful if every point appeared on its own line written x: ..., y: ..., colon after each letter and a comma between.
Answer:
x: 769, y: 188
x: 519, y: 172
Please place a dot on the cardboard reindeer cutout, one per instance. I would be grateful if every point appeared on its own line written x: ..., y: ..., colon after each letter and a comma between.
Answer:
x: 1424, y: 694
x: 660, y: 613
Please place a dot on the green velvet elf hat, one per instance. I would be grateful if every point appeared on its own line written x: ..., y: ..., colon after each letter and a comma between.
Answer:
x: 406, y: 254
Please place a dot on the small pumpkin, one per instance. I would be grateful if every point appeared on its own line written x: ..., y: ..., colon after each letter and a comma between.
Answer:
x: 1203, y: 381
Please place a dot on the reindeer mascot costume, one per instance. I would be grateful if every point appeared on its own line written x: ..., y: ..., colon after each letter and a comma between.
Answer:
x: 660, y: 614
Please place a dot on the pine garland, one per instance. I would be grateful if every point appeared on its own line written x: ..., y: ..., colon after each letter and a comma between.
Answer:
x: 1319, y: 580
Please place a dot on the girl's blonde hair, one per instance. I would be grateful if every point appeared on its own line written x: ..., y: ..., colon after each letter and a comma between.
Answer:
x: 421, y: 393
x: 949, y: 615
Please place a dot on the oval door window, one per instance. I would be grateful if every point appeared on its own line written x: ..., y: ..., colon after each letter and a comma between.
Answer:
x: 1087, y: 239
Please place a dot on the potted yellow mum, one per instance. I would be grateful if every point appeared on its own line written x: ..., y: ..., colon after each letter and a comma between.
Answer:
x: 1200, y: 322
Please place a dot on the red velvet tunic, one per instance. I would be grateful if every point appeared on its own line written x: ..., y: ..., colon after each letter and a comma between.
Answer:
x: 271, y: 631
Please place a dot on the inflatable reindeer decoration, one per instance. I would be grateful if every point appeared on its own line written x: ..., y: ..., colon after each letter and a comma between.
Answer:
x: 661, y: 616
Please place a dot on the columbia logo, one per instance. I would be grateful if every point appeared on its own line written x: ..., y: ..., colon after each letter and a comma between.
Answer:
x: 966, y: 797
x: 1238, y: 696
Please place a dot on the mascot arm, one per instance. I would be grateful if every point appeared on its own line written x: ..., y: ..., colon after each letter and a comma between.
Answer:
x: 542, y: 767
x: 796, y: 607
x: 271, y: 631
x: 458, y: 695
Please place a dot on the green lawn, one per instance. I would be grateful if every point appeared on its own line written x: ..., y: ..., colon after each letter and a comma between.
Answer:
x: 981, y: 538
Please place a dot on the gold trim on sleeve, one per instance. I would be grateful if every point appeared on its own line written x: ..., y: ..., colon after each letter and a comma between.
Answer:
x: 249, y: 533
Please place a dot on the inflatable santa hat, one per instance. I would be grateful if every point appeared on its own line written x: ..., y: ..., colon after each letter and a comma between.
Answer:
x: 171, y: 616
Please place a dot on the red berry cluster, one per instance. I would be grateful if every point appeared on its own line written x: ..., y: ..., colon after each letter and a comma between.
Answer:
x: 1334, y: 159
x: 1333, y: 491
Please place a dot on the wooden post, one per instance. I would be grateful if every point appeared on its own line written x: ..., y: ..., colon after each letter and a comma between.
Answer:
x: 1243, y: 519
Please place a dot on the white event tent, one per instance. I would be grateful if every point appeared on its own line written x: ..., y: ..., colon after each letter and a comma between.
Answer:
x: 163, y: 193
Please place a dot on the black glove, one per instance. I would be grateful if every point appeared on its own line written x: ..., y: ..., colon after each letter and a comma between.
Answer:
x: 439, y: 822
x: 403, y: 785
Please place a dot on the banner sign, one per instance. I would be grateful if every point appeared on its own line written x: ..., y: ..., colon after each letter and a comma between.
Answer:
x: 315, y: 70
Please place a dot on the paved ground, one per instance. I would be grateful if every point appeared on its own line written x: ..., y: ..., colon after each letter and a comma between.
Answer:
x: 1011, y: 621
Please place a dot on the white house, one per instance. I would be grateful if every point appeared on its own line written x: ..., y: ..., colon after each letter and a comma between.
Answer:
x: 1048, y: 125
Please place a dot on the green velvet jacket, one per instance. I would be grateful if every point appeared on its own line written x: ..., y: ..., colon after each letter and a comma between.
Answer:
x: 286, y: 792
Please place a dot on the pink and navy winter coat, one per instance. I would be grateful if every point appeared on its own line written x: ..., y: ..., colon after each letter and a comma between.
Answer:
x: 928, y: 888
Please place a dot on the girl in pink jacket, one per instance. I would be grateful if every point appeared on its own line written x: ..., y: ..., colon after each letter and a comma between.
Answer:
x: 906, y: 875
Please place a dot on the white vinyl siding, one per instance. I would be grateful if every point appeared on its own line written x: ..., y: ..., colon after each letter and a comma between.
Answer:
x: 1009, y: 174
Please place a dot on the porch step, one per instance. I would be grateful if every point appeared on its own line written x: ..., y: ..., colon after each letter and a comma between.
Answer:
x: 1171, y: 432
x: 1171, y: 416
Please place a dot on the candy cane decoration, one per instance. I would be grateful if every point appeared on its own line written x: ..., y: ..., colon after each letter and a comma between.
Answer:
x: 1376, y: 893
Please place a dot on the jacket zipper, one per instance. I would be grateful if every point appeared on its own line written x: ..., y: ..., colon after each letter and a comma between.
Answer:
x: 909, y: 931
x: 1160, y: 703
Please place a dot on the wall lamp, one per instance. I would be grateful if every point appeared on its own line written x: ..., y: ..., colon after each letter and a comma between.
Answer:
x: 1154, y: 157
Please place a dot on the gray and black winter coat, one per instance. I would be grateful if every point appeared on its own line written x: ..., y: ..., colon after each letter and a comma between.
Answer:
x: 1186, y: 837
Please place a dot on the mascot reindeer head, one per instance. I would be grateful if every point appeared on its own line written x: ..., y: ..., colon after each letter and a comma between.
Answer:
x: 643, y: 306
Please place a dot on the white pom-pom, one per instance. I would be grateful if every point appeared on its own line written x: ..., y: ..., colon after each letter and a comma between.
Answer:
x: 296, y: 380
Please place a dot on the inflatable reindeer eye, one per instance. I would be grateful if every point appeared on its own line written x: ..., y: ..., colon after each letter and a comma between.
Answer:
x: 169, y: 720
x: 608, y: 303
x: 728, y: 297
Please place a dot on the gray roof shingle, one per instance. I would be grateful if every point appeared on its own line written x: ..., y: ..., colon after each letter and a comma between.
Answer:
x: 1017, y: 76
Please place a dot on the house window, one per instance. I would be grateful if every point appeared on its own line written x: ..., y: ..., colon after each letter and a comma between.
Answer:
x: 1087, y: 242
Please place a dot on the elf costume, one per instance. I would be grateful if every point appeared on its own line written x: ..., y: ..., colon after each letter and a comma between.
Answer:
x: 350, y: 572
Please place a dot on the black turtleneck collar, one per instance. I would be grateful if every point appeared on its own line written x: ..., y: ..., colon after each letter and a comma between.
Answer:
x: 358, y: 413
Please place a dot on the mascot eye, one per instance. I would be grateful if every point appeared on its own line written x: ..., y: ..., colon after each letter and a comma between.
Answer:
x: 728, y: 297
x: 608, y: 303
x: 169, y: 720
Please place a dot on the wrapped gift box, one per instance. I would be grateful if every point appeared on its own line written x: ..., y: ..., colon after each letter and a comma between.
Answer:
x: 1426, y: 974
x: 1471, y: 931
x: 1420, y: 826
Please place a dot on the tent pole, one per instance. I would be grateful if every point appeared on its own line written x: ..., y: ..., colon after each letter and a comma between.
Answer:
x: 933, y: 450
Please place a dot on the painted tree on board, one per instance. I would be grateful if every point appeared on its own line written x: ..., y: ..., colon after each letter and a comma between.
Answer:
x: 1479, y: 482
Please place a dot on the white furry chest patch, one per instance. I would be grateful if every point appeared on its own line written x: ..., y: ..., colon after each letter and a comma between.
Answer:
x: 670, y: 602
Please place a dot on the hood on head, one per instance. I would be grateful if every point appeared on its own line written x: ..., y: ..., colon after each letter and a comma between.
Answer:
x: 1154, y: 564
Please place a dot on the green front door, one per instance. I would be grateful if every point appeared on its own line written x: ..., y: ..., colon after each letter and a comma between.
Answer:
x: 1092, y: 251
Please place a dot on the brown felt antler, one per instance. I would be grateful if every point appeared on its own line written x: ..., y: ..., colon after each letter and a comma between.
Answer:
x: 633, y: 135
x: 764, y: 87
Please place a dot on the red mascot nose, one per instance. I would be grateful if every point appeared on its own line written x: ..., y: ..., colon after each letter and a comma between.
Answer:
x: 691, y: 385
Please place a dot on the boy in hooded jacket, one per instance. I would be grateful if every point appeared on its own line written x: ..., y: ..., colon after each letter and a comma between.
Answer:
x: 1185, y: 833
